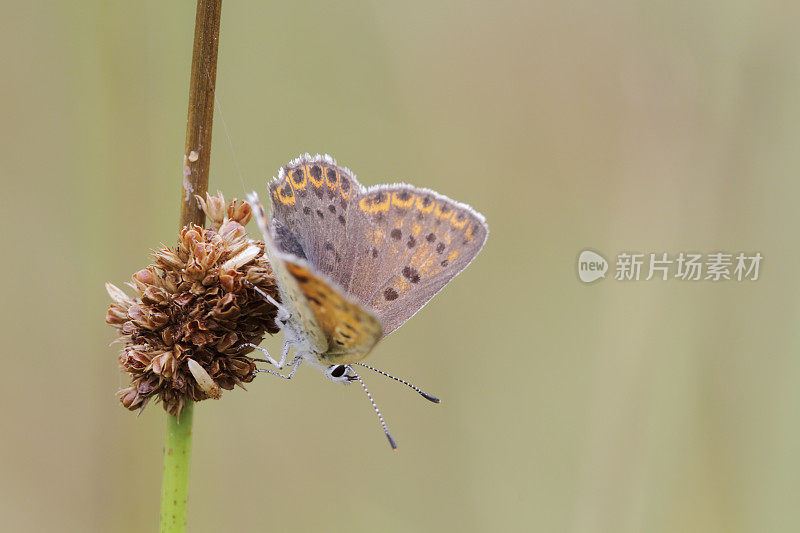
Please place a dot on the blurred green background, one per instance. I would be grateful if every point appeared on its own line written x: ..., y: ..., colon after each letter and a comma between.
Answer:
x: 659, y: 406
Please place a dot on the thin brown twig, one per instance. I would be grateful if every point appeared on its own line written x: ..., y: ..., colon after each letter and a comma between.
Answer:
x: 197, y: 155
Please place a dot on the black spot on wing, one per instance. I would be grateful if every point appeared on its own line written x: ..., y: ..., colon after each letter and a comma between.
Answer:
x: 331, y: 173
x: 411, y: 274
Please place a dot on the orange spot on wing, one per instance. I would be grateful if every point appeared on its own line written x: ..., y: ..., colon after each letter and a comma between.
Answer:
x: 402, y: 203
x: 402, y: 286
x: 452, y: 256
x: 443, y: 215
x: 298, y: 179
x: 330, y: 184
x: 371, y: 204
x: 459, y: 224
x: 282, y: 196
x: 314, y: 181
x: 429, y: 263
x: 422, y: 260
x: 468, y: 233
x: 415, y: 229
x: 423, y: 208
x: 296, y: 270
x: 349, y: 192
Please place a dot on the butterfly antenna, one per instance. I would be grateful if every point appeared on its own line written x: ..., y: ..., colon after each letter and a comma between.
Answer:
x: 377, y: 411
x: 422, y: 393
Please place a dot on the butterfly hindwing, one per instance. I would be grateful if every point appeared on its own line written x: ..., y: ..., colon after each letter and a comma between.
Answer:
x: 422, y: 240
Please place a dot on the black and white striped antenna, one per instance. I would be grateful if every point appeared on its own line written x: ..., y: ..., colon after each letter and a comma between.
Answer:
x: 392, y: 443
x: 424, y: 394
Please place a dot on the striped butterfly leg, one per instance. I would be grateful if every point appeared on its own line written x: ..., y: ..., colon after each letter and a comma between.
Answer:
x: 269, y: 359
x: 295, y: 362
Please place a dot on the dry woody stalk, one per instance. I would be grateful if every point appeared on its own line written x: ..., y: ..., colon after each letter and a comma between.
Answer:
x: 185, y: 333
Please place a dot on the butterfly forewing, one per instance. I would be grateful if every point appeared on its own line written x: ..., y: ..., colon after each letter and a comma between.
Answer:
x: 312, y: 198
x: 351, y: 331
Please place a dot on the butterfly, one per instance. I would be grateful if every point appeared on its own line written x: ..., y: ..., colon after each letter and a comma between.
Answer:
x: 353, y: 264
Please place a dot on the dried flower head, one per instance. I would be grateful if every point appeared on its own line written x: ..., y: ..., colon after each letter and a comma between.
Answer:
x: 186, y: 331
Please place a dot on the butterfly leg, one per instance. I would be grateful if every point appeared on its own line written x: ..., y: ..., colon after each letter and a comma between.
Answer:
x: 296, y: 361
x: 283, y: 313
x: 269, y: 359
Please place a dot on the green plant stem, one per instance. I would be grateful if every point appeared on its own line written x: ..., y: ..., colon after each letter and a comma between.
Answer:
x: 175, y: 484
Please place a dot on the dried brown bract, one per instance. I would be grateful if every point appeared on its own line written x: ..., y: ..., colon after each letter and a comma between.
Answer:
x: 185, y: 331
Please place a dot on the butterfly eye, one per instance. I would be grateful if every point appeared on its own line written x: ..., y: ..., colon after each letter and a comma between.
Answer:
x: 339, y: 374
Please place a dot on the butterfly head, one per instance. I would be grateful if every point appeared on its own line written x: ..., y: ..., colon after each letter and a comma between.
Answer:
x: 340, y: 374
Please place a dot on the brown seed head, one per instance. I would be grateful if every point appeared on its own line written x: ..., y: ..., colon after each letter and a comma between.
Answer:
x: 186, y: 330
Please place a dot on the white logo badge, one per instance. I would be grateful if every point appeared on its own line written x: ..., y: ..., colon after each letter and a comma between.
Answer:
x: 591, y: 266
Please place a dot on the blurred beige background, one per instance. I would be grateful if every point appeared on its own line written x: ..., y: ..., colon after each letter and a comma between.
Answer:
x: 617, y: 126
